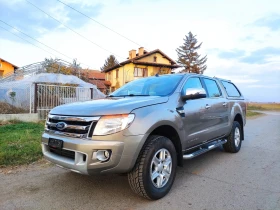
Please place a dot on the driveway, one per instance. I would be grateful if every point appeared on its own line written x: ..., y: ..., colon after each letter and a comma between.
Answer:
x: 249, y: 179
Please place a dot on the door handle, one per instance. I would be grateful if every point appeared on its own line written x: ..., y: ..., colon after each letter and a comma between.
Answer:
x: 207, y: 106
x: 225, y: 104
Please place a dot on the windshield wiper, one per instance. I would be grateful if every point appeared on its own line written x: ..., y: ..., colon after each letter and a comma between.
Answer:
x: 137, y: 95
x: 126, y: 95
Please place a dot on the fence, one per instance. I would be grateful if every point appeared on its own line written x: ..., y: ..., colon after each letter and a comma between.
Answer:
x: 49, y: 96
x: 41, y: 98
x: 20, y: 89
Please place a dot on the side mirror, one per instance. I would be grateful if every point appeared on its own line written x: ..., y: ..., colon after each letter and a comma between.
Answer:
x: 194, y: 93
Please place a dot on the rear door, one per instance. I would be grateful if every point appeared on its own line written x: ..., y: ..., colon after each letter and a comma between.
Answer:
x: 216, y: 110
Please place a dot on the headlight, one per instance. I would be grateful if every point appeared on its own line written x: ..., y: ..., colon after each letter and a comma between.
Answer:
x: 112, y: 124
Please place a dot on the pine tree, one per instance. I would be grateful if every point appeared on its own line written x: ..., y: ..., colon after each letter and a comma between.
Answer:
x: 188, y: 56
x: 109, y: 62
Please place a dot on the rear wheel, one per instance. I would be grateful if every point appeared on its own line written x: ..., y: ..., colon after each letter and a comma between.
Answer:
x: 233, y: 144
x: 155, y: 169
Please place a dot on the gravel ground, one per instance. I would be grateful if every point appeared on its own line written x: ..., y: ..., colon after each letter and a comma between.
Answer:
x: 247, y: 180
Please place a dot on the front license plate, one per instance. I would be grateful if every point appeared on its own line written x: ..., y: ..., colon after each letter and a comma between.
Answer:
x: 55, y: 143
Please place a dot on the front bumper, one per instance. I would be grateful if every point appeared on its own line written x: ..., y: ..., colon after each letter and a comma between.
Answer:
x: 124, y: 152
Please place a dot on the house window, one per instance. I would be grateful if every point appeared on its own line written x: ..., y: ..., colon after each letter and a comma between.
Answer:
x: 155, y: 58
x: 140, y: 72
x: 117, y: 73
x: 145, y: 72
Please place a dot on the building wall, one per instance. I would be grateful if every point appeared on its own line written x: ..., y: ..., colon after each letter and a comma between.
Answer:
x: 6, y: 69
x: 126, y: 72
x: 159, y: 59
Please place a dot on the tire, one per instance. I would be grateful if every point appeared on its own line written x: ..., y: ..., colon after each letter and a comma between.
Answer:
x: 150, y: 161
x: 234, y: 141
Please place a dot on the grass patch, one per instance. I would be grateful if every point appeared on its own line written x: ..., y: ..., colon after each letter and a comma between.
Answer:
x: 250, y: 113
x: 20, y: 143
x: 264, y: 106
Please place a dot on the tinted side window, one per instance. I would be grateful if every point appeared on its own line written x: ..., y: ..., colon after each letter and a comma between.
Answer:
x: 193, y: 82
x: 212, y: 88
x: 231, y: 89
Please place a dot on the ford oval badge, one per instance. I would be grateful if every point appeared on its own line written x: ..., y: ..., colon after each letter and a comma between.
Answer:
x: 61, y: 125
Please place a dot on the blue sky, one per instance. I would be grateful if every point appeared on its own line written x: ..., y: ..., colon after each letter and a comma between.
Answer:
x: 241, y: 38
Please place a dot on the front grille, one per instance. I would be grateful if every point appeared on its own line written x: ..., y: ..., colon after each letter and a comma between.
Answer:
x: 70, y: 122
x: 63, y: 152
x: 72, y: 126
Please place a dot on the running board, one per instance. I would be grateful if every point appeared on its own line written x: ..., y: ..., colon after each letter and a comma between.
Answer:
x: 205, y: 148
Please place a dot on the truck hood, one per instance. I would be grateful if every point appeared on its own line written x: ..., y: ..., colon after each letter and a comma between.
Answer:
x: 108, y: 106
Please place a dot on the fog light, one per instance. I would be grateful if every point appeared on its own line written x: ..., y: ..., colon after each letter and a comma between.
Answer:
x: 102, y: 155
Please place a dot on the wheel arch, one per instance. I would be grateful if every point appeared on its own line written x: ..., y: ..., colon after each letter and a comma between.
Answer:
x: 171, y: 133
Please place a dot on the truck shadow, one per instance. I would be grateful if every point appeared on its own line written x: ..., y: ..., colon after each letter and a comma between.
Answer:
x: 114, y: 187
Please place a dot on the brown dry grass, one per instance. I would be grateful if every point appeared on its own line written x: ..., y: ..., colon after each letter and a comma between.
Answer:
x: 6, y: 108
x: 264, y: 106
x: 250, y: 113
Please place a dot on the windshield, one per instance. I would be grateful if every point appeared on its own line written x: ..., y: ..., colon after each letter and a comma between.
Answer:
x: 150, y: 86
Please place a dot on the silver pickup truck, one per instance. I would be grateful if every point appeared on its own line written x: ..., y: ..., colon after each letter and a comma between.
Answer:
x: 146, y: 129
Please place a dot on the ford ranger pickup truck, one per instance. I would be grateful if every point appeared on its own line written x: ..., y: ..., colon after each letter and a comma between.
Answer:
x: 146, y: 129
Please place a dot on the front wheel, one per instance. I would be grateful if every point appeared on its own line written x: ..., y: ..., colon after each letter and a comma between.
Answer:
x: 155, y: 169
x: 233, y: 144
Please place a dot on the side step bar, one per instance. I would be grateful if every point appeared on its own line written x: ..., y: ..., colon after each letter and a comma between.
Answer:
x: 204, y: 149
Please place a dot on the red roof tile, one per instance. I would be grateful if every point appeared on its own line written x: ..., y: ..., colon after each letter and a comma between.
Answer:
x: 94, y: 74
x: 99, y: 83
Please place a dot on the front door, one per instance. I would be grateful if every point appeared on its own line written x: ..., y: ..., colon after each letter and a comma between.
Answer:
x: 195, y: 122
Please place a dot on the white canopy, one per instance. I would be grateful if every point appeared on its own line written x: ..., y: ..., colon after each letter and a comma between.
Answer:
x: 48, y: 78
x: 24, y: 89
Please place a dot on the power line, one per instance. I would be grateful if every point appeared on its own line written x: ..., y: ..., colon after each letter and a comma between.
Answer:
x: 34, y: 39
x: 27, y: 41
x: 73, y: 30
x: 99, y: 23
x: 40, y: 42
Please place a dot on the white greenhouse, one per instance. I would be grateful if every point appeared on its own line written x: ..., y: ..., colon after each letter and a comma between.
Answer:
x: 44, y: 91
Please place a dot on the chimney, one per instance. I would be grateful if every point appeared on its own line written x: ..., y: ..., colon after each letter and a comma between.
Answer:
x: 140, y: 51
x: 132, y: 54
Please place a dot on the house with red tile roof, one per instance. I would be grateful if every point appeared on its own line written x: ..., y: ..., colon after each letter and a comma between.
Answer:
x: 97, y: 78
x: 139, y: 65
